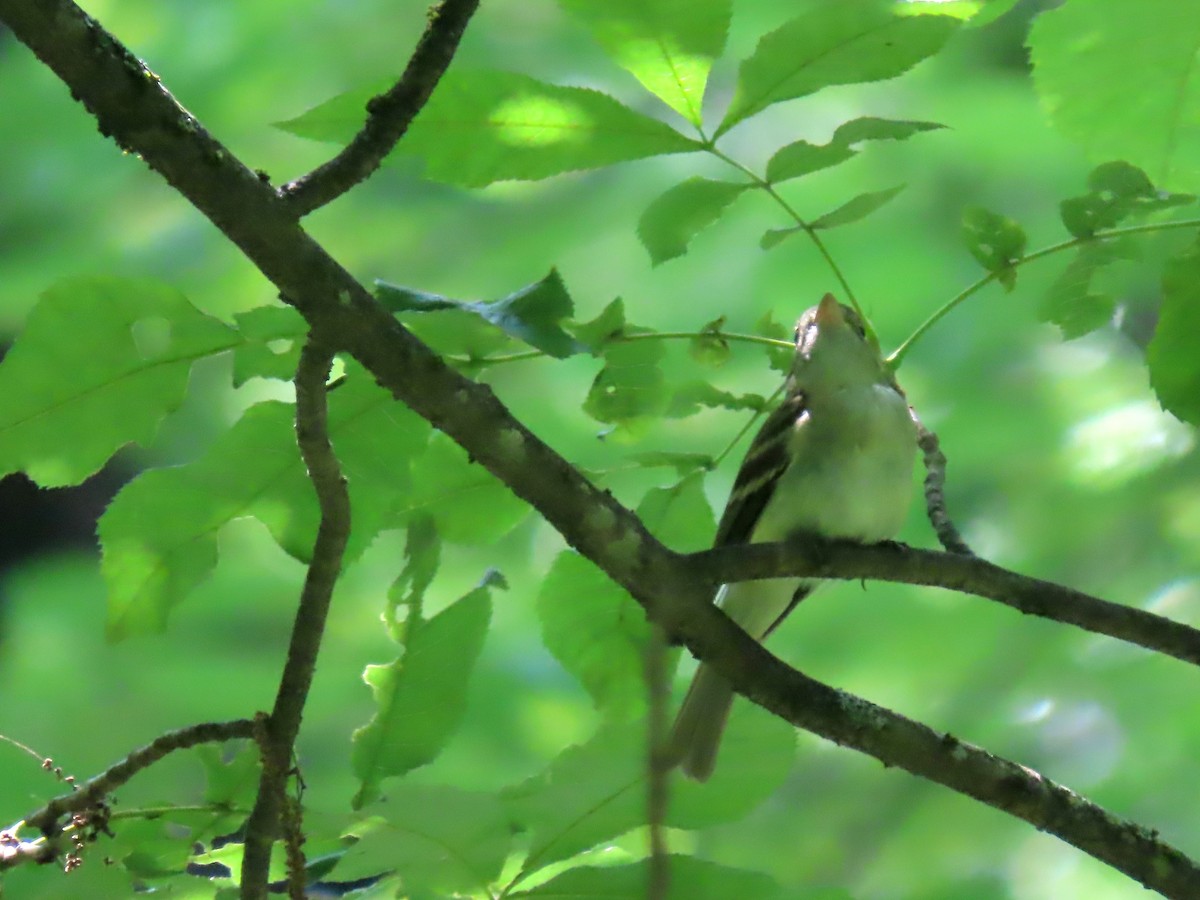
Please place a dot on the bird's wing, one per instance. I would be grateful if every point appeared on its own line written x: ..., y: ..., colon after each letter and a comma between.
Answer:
x: 766, y: 460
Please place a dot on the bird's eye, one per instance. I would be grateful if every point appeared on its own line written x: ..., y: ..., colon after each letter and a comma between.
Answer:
x: 856, y: 323
x: 796, y: 334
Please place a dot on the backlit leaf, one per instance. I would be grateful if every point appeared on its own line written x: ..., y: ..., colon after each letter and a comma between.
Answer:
x: 856, y: 208
x: 675, y: 217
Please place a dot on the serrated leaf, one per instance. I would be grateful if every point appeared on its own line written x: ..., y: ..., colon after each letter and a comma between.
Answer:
x: 100, y: 363
x: 532, y: 314
x: 689, y: 398
x: 1116, y: 191
x: 691, y: 879
x: 847, y: 42
x: 466, y: 502
x: 1091, y: 58
x: 597, y: 632
x: 631, y: 386
x: 856, y: 208
x: 709, y: 347
x: 995, y: 241
x: 676, y: 216
x: 667, y: 45
x: 1173, y: 354
x: 486, y: 126
x: 870, y: 128
x: 802, y: 158
x: 272, y: 338
x: 438, y: 839
x: 421, y: 697
x: 159, y: 535
x: 606, y: 327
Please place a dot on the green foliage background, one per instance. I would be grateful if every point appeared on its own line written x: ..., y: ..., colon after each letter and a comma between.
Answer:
x: 1062, y: 464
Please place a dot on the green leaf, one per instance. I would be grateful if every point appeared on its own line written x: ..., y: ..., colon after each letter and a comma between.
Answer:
x: 1117, y: 190
x: 159, y: 535
x: 679, y: 515
x: 1071, y: 304
x: 422, y: 556
x: 847, y: 42
x: 995, y: 241
x: 532, y: 314
x: 780, y: 358
x: 1118, y: 77
x: 856, y: 208
x: 682, y: 463
x: 691, y: 879
x: 1174, y: 352
x: 272, y: 338
x: 801, y: 157
x: 597, y: 632
x: 603, y: 329
x: 438, y: 839
x: 421, y: 697
x: 101, y: 361
x: 709, y: 347
x: 667, y: 45
x: 675, y: 217
x: 467, y: 503
x: 691, y: 396
x: 486, y: 126
x: 630, y: 386
x: 775, y: 236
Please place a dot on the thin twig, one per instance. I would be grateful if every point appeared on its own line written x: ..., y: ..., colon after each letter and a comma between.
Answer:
x: 312, y: 434
x: 935, y: 490
x: 389, y: 114
x: 658, y: 765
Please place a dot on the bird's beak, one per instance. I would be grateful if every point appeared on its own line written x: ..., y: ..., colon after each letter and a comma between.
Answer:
x: 829, y: 313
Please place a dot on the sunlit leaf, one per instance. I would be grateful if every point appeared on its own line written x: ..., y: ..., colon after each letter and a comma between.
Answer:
x: 834, y: 43
x: 691, y: 879
x: 485, y: 126
x: 99, y: 364
x: 675, y: 217
x: 533, y: 314
x: 668, y: 45
x: 420, y: 698
x: 1174, y: 352
x: 1118, y: 76
x: 995, y: 241
x: 856, y: 208
x: 597, y: 632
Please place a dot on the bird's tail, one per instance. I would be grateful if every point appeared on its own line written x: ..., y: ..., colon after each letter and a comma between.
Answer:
x: 700, y: 724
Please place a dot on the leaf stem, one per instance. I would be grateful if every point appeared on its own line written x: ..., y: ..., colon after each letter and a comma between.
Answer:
x: 622, y: 338
x: 900, y: 352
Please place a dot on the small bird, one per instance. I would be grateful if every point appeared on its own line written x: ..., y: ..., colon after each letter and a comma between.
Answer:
x: 834, y: 459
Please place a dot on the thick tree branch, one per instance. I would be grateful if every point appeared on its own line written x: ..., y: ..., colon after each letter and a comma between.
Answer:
x: 131, y: 105
x: 831, y: 558
x: 312, y: 434
x: 389, y: 114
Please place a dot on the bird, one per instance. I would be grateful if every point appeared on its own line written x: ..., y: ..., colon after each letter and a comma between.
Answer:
x: 834, y: 459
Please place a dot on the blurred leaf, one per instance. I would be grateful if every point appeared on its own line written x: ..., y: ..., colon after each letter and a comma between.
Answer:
x: 422, y: 556
x: 229, y: 780
x: 691, y: 879
x: 273, y: 336
x: 597, y: 632
x: 834, y: 43
x: 772, y: 237
x: 1071, y: 304
x: 1116, y: 191
x: 485, y: 126
x: 995, y: 241
x: 801, y: 157
x: 856, y: 208
x: 675, y: 217
x: 1091, y: 58
x: 436, y: 838
x: 682, y: 463
x: 667, y: 45
x: 990, y: 11
x: 99, y: 364
x: 679, y: 515
x: 630, y: 386
x: 420, y: 698
x: 1174, y: 352
x: 709, y: 347
x: 467, y: 503
x: 159, y: 535
x: 607, y: 326
x: 780, y: 358
x: 532, y: 314
x: 688, y: 399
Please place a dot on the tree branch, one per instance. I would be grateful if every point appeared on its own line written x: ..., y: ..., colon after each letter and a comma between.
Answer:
x: 389, y: 114
x: 889, y: 561
x: 676, y: 593
x: 312, y: 435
